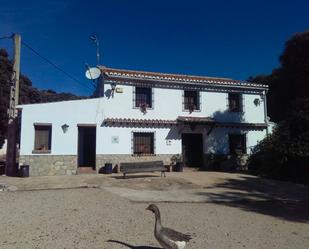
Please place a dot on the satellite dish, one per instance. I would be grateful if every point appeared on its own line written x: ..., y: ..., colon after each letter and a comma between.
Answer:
x: 93, y: 73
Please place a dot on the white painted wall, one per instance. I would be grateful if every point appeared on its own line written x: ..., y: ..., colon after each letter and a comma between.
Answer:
x: 167, y: 105
x: 218, y: 140
x: 125, y: 140
x: 253, y: 137
x: 67, y: 112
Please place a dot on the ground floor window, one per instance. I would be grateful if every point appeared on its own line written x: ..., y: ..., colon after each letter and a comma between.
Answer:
x: 237, y: 143
x: 42, y: 137
x: 143, y: 143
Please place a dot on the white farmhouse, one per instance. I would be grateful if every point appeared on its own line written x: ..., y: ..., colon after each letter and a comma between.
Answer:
x: 144, y: 116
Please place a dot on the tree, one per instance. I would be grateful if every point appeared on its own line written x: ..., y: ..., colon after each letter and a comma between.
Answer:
x: 285, y: 153
x: 5, y: 75
x: 291, y: 79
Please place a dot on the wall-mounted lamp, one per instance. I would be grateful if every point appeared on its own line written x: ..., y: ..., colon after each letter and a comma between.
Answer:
x: 257, y: 102
x: 65, y: 128
x: 262, y: 96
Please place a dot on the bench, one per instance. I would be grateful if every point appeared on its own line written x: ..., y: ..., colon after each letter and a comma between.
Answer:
x: 139, y: 167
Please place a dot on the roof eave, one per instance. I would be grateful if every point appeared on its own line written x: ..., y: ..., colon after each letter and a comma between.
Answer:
x: 199, y: 84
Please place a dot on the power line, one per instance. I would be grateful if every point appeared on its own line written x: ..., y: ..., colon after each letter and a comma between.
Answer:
x: 6, y: 37
x: 55, y: 66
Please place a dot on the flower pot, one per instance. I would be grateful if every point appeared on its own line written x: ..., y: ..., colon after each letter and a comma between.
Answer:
x: 179, y: 167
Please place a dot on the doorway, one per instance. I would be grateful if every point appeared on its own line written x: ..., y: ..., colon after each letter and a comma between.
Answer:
x: 192, y: 149
x: 87, y: 146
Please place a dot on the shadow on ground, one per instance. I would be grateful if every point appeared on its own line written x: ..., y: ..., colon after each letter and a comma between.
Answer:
x: 274, y: 198
x: 133, y: 247
x: 133, y: 176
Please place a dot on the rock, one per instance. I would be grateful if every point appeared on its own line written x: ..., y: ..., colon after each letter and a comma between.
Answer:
x: 58, y: 163
x: 2, y: 187
x: 12, y: 188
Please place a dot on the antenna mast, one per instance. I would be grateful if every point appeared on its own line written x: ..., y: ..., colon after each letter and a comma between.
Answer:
x: 96, y: 41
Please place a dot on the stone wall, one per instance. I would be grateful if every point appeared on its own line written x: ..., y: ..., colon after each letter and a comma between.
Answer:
x: 225, y: 162
x: 49, y: 165
x: 117, y: 159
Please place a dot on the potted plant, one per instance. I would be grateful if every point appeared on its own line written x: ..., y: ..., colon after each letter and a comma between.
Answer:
x: 143, y: 106
x: 191, y: 108
x: 107, y: 168
x: 177, y: 162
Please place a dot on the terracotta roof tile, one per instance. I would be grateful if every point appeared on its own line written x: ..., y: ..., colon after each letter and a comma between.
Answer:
x: 190, y: 119
x: 121, y: 74
x: 183, y: 120
x: 139, y: 121
x: 242, y: 125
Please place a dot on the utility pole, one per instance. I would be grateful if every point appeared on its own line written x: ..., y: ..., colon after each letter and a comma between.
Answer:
x: 11, y: 166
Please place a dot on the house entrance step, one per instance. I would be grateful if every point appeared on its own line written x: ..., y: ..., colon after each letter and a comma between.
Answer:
x: 86, y: 170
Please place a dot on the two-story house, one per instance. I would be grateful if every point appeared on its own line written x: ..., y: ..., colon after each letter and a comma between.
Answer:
x: 144, y: 116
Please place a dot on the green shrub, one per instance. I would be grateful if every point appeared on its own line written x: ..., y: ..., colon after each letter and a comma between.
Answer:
x: 284, y: 154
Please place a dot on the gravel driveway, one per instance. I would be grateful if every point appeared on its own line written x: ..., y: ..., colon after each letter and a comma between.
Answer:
x: 98, y: 219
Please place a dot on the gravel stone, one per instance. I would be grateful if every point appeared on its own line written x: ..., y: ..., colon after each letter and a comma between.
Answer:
x: 98, y: 219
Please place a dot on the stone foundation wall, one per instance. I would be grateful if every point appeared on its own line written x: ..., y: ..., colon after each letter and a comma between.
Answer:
x: 225, y: 162
x: 117, y: 159
x: 49, y: 165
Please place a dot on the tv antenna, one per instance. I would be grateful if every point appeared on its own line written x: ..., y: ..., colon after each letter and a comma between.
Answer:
x: 94, y: 38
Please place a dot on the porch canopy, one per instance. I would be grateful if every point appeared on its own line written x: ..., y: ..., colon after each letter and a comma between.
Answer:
x: 182, y: 120
x: 212, y: 122
x: 195, y: 120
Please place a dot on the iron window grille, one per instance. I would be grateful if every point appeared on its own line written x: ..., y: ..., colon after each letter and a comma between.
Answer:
x: 143, y: 97
x: 235, y: 102
x: 143, y: 143
x: 237, y: 144
x: 191, y: 100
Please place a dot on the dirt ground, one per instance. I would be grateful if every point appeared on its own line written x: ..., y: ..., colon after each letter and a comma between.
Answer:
x: 226, y: 211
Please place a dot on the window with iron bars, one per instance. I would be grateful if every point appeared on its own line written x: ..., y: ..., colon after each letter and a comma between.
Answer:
x: 237, y: 144
x: 143, y: 143
x: 191, y: 100
x: 235, y: 102
x: 143, y: 97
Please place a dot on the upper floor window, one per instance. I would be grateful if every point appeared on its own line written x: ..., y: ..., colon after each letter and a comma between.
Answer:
x: 143, y: 143
x: 191, y: 100
x: 237, y: 144
x: 143, y: 97
x: 235, y: 102
x: 42, y: 137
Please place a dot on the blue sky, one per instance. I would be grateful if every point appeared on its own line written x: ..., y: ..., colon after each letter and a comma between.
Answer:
x: 234, y: 39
